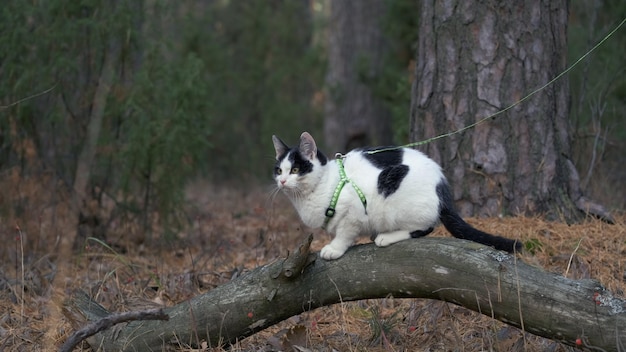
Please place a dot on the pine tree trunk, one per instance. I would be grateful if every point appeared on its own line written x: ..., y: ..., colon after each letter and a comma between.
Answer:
x: 475, y: 59
x: 356, y: 48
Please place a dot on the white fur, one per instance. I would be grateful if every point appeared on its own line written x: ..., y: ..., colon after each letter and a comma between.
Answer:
x: 414, y: 206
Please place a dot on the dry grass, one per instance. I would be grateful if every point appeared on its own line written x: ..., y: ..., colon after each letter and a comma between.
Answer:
x: 233, y: 231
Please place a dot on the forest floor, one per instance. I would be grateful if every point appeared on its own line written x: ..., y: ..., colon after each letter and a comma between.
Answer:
x: 233, y: 231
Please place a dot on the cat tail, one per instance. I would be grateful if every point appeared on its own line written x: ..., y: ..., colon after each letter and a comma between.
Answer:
x: 460, y: 229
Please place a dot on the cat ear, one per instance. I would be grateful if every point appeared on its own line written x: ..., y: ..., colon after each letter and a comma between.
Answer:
x: 307, y: 148
x: 280, y: 147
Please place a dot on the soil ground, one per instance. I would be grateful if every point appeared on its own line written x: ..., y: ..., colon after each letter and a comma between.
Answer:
x: 233, y: 231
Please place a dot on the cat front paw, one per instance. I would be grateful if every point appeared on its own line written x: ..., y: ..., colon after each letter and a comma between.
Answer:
x: 329, y: 252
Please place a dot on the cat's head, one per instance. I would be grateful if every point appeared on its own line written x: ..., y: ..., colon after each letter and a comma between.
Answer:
x: 298, y: 169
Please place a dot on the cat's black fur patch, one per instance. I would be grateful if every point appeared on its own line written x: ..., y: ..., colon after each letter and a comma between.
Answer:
x: 461, y: 229
x: 304, y: 166
x: 297, y: 160
x: 321, y: 157
x: 385, y: 158
x: 390, y: 179
x: 421, y: 233
x: 444, y: 195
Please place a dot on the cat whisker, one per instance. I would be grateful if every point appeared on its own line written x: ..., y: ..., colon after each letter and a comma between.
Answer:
x: 297, y: 195
x: 272, y: 195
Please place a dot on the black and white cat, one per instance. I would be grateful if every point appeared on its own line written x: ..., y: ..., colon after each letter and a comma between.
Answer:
x: 400, y: 193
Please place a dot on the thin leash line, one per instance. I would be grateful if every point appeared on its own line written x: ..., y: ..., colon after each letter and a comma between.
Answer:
x: 496, y: 114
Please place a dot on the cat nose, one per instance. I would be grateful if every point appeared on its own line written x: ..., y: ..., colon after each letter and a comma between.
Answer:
x: 282, y: 182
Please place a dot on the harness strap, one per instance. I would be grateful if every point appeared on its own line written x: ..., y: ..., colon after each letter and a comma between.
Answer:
x: 343, y: 179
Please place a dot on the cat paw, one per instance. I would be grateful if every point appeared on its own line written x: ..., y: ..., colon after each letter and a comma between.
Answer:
x: 329, y: 252
x: 382, y: 241
x: 386, y: 239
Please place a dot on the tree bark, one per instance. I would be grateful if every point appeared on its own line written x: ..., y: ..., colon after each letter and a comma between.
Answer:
x: 354, y: 117
x: 474, y: 59
x: 465, y: 273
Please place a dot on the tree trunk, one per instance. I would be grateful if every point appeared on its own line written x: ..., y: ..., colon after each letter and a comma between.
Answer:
x: 474, y: 59
x: 354, y: 117
x: 465, y: 273
x: 79, y: 196
x: 87, y: 155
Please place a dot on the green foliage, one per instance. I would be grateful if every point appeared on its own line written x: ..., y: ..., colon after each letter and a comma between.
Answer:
x: 55, y: 44
x: 382, y: 328
x: 600, y: 79
x: 598, y: 91
x: 165, y: 133
x: 533, y: 246
x: 198, y: 87
x: 155, y: 133
x: 265, y: 70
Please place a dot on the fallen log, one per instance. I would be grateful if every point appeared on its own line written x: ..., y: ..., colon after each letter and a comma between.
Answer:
x: 465, y: 273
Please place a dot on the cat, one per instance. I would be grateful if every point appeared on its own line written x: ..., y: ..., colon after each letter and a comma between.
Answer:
x: 395, y: 194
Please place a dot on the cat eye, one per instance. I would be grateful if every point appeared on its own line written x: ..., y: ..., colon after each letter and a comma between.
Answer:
x: 295, y: 170
x: 278, y: 171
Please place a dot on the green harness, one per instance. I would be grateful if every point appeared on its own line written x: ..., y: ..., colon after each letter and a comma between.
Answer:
x: 343, y: 179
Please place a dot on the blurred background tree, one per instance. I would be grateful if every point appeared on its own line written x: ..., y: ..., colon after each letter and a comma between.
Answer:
x: 598, y: 100
x: 147, y: 96
x: 357, y: 47
x: 126, y: 119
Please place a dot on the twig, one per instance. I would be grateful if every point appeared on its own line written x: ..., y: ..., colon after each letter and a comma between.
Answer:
x: 597, y: 111
x: 571, y: 257
x: 298, y: 260
x: 2, y: 107
x: 22, y: 283
x: 109, y: 321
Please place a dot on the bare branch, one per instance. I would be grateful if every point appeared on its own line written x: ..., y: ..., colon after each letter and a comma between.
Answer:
x: 2, y: 107
x: 109, y: 321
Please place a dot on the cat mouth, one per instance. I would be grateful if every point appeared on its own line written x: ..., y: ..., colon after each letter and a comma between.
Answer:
x: 287, y: 188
